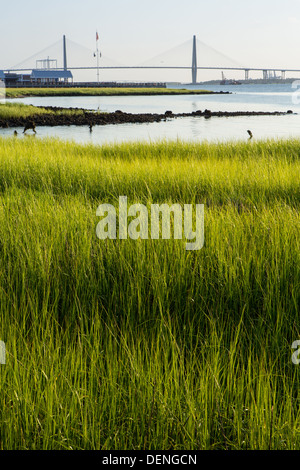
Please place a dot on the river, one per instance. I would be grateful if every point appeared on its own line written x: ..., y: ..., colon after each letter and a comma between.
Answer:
x: 277, y: 97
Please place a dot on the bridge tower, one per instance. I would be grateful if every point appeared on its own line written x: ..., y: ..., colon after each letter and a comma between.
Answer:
x: 65, y: 52
x: 194, y: 62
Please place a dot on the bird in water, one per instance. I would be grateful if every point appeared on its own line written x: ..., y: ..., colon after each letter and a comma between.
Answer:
x: 91, y: 127
x: 250, y: 134
x: 15, y: 133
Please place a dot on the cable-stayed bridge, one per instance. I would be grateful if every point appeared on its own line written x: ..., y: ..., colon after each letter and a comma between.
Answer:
x: 192, y: 57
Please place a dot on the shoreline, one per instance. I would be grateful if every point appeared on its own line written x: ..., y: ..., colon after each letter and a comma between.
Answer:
x: 81, y: 117
x: 13, y: 93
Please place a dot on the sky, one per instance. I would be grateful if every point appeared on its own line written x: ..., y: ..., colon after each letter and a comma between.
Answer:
x: 255, y: 33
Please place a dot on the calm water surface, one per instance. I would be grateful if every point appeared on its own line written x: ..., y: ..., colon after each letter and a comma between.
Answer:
x: 243, y: 98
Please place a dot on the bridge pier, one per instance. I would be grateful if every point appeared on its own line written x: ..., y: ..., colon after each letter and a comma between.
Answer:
x: 194, y: 62
x: 265, y: 74
x: 246, y: 74
x: 282, y: 74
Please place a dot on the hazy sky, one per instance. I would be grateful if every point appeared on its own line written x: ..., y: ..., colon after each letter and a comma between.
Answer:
x: 256, y: 32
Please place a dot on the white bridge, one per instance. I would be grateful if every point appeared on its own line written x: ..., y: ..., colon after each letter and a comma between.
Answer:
x: 187, y: 54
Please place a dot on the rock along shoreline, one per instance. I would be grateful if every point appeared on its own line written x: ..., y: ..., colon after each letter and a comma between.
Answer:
x: 91, y: 118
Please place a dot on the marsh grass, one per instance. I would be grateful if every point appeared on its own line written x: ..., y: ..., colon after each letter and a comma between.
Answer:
x: 23, y: 92
x: 20, y: 110
x: 140, y: 344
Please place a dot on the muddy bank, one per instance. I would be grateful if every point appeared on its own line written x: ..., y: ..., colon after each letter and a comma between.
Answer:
x: 81, y: 117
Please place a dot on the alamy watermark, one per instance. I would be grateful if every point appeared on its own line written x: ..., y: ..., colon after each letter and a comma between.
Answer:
x: 160, y: 219
x: 2, y: 353
x: 296, y: 93
x: 2, y: 91
x: 296, y: 355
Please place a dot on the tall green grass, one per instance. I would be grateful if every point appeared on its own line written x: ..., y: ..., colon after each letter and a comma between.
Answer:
x: 140, y: 344
x: 20, y: 110
x: 23, y: 92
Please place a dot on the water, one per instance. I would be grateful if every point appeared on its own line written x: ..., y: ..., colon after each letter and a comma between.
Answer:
x: 280, y: 97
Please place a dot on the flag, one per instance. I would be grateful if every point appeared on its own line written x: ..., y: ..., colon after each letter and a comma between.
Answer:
x: 97, y: 36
